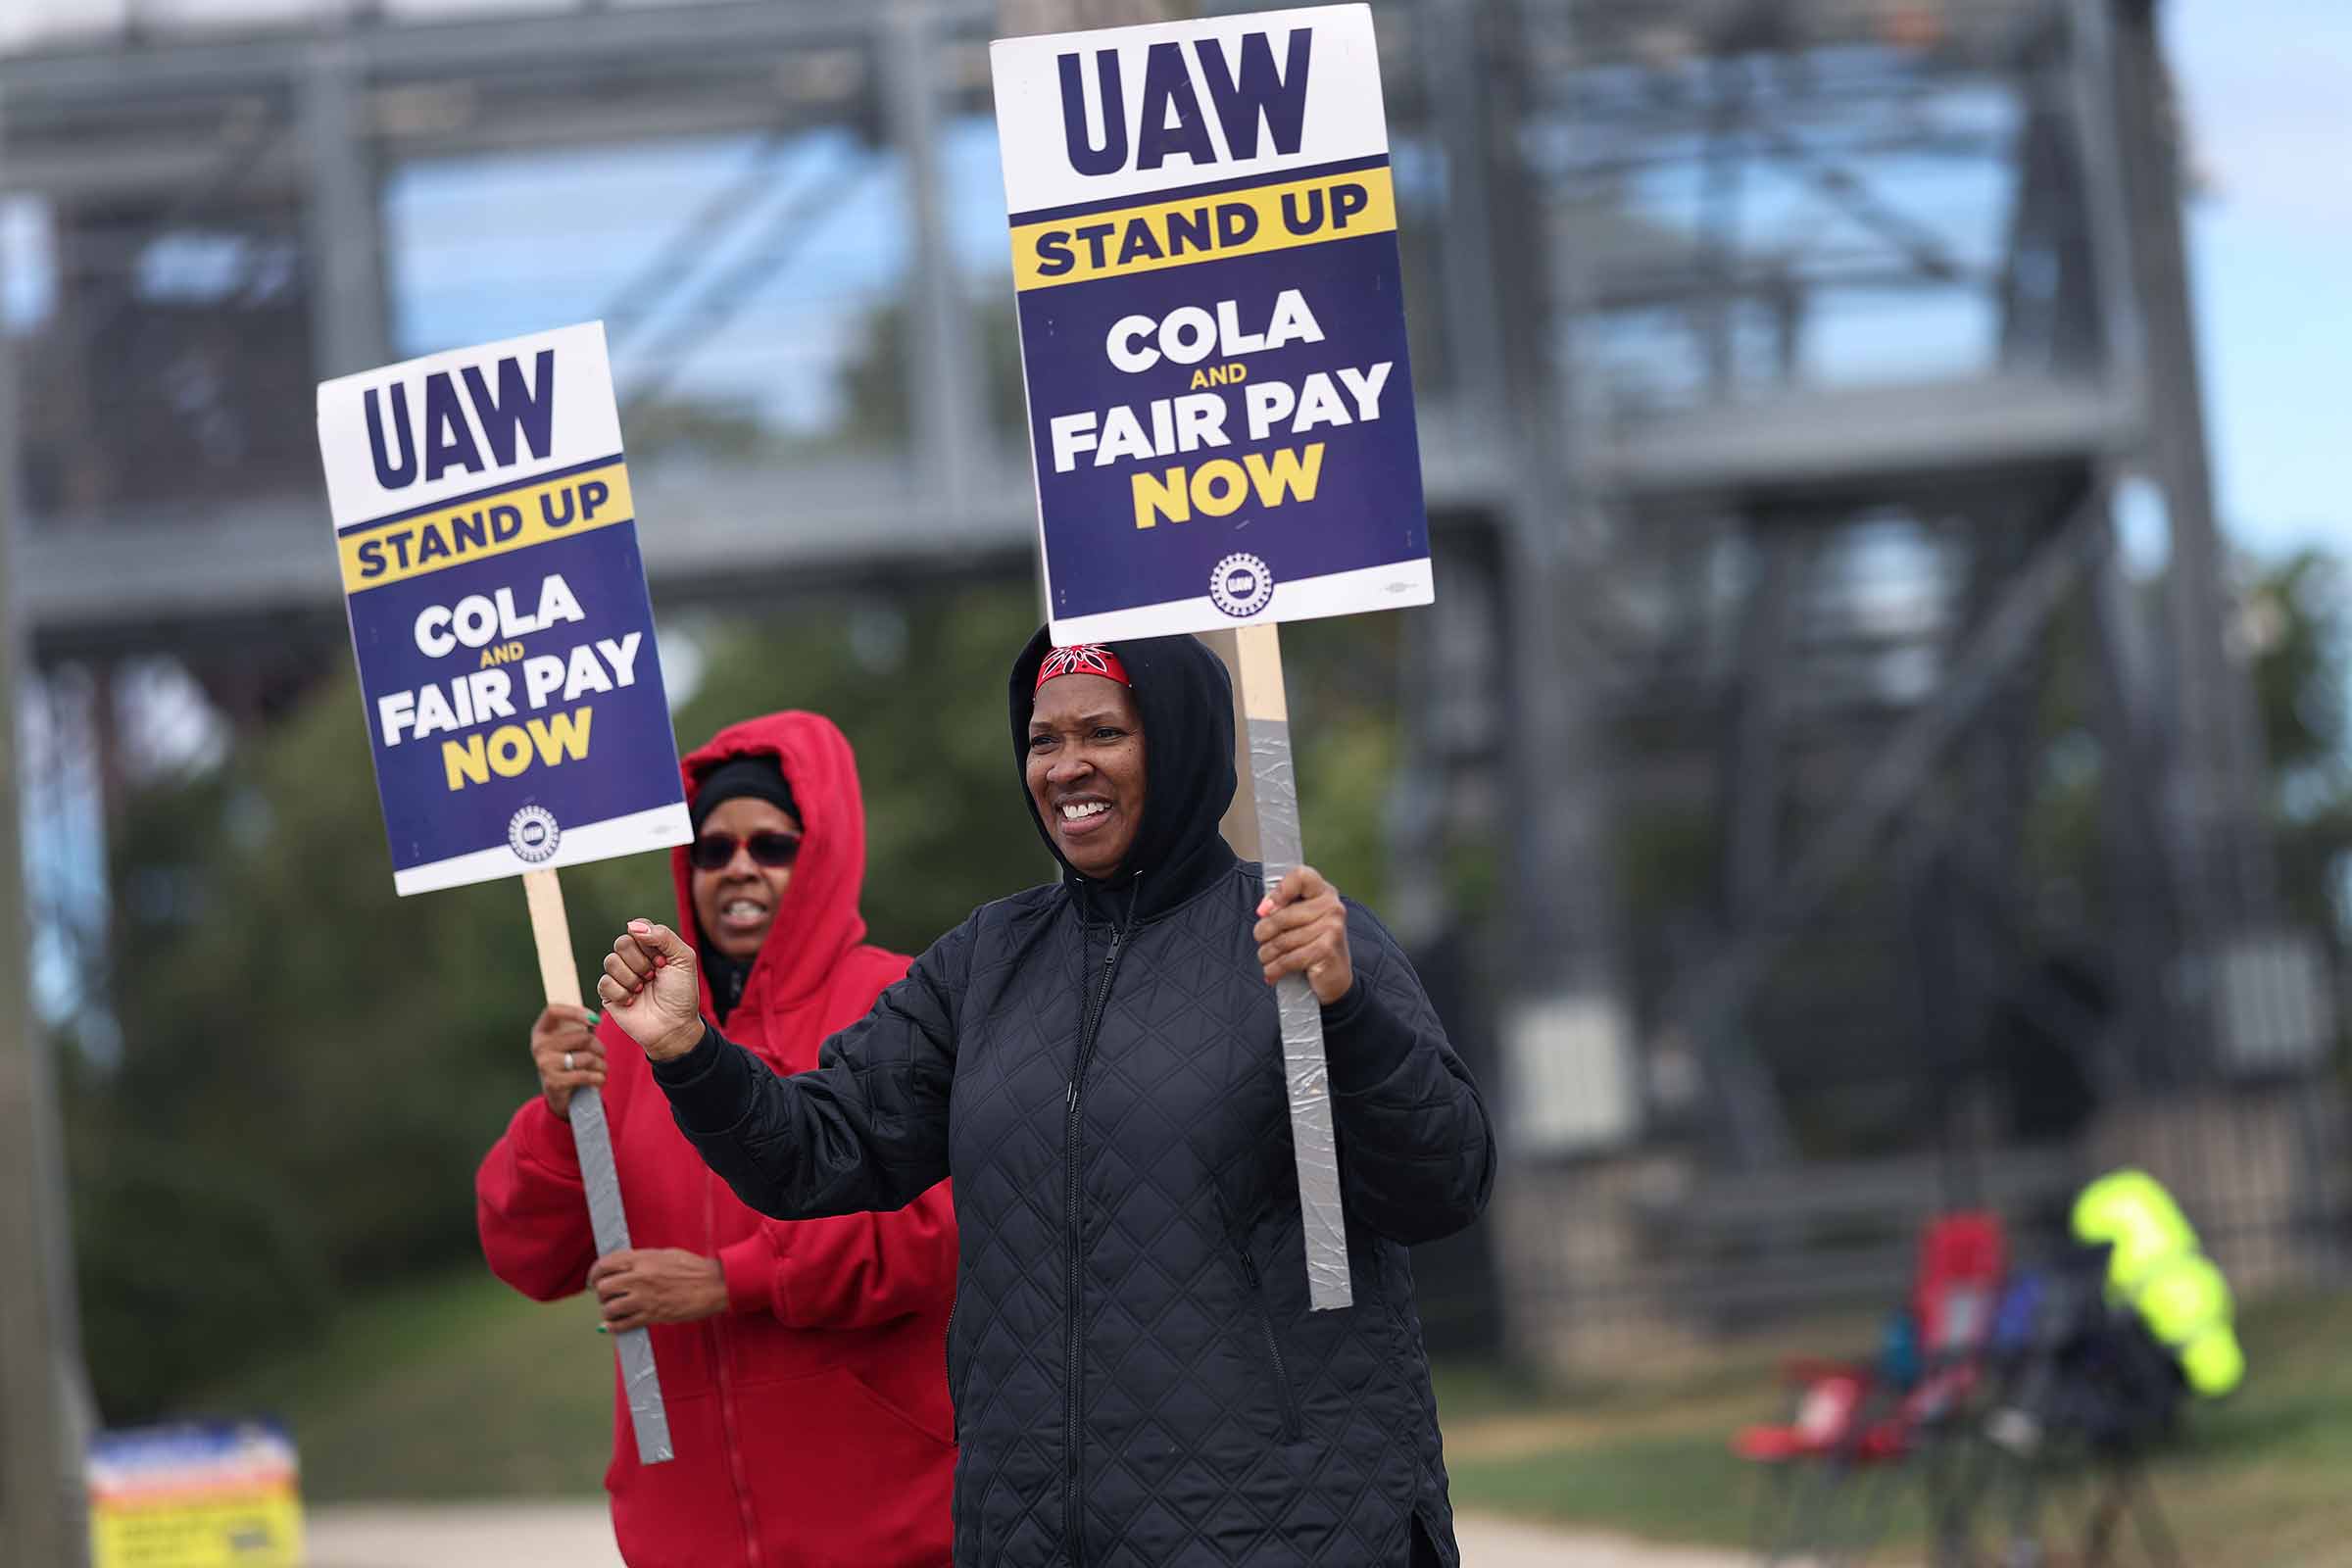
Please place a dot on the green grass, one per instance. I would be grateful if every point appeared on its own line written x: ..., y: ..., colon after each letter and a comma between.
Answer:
x: 1684, y: 1487
x: 2259, y: 1481
x: 459, y: 1389
x: 454, y: 1389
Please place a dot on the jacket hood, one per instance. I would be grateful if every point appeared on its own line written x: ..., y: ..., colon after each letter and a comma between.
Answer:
x: 817, y: 920
x: 1185, y: 700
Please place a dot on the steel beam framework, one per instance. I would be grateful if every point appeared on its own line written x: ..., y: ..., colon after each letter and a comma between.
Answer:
x: 1779, y: 354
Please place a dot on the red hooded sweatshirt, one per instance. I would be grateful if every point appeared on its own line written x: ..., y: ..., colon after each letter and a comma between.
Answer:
x: 810, y: 1420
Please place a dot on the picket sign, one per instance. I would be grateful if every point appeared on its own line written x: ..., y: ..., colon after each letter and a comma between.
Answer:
x: 1206, y: 273
x: 504, y: 635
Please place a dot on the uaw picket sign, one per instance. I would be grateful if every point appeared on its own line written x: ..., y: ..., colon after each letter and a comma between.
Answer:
x: 1212, y: 324
x: 1221, y: 400
x: 499, y: 610
x: 505, y: 639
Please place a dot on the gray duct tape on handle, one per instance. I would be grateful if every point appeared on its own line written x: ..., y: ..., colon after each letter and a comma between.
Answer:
x: 638, y: 1379
x: 1303, y: 1070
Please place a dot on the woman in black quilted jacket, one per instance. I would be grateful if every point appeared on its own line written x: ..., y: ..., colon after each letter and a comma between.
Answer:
x: 1138, y: 1378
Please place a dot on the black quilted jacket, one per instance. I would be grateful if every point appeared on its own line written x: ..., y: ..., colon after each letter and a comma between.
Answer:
x: 1137, y: 1377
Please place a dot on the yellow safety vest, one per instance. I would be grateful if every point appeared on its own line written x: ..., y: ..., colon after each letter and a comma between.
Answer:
x: 2156, y: 1266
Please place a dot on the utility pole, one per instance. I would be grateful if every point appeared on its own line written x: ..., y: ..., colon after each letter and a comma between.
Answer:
x: 39, y: 1473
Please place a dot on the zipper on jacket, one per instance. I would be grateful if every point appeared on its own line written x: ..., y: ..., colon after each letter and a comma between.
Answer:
x: 1089, y: 1025
x: 717, y: 1341
x: 1265, y: 1321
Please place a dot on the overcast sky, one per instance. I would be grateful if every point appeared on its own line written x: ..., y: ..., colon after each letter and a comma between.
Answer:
x: 2269, y: 84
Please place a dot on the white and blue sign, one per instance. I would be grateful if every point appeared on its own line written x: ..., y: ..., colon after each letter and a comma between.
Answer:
x: 499, y: 611
x: 1212, y: 323
x: 195, y: 1494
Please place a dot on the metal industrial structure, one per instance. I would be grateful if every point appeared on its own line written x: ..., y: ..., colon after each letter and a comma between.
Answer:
x: 1779, y: 364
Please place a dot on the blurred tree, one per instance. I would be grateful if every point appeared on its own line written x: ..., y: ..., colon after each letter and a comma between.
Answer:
x: 873, y: 385
x: 1340, y: 676
x: 309, y: 1066
x: 2294, y: 626
x: 698, y: 428
x: 2297, y: 626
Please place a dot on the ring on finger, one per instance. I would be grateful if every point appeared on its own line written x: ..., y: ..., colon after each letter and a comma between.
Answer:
x: 567, y: 1061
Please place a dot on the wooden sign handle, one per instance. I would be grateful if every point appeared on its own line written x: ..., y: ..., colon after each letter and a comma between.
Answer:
x: 560, y: 977
x: 1266, y: 719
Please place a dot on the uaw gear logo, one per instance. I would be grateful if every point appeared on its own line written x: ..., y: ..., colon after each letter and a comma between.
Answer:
x: 532, y: 834
x: 1083, y: 659
x: 1240, y: 586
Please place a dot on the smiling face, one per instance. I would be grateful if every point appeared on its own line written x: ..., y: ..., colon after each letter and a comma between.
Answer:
x: 736, y: 904
x: 1086, y: 770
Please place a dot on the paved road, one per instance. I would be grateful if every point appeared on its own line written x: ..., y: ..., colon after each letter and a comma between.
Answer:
x: 575, y: 1535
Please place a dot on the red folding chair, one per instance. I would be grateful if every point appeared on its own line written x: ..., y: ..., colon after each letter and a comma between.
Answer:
x: 1861, y: 1415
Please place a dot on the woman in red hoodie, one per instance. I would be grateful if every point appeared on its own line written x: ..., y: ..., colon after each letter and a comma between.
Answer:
x: 802, y: 1362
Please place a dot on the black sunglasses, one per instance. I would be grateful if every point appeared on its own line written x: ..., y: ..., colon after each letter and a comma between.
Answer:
x: 714, y: 852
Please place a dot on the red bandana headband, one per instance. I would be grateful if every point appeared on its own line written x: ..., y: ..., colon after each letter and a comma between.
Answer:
x: 1083, y: 659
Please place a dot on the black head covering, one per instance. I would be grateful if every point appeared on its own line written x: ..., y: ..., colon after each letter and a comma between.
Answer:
x: 761, y: 777
x: 1185, y: 700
